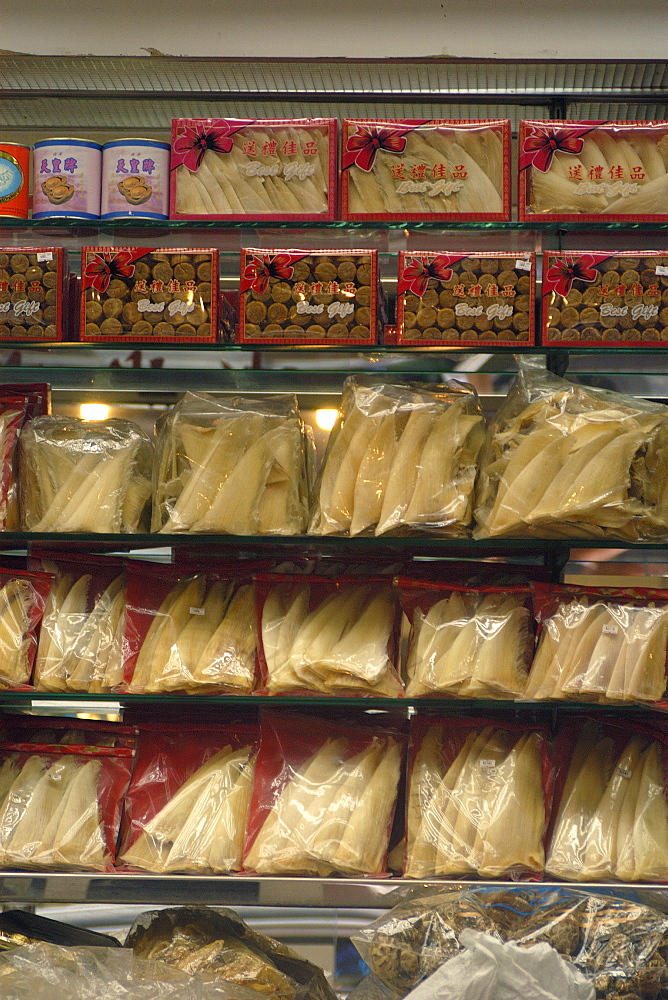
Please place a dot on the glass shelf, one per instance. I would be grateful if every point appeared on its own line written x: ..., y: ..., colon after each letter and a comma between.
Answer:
x: 242, y: 890
x: 158, y: 225
x: 335, y: 545
x: 355, y: 351
x: 67, y: 702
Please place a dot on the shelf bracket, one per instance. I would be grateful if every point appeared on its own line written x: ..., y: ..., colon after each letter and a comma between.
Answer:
x: 555, y: 561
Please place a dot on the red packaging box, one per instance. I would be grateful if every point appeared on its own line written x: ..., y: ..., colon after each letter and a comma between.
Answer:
x: 31, y: 293
x: 574, y: 171
x: 452, y: 299
x: 442, y: 170
x: 613, y: 298
x: 309, y: 297
x: 142, y: 294
x: 240, y: 169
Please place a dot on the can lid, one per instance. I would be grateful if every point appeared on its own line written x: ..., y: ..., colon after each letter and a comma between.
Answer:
x: 73, y: 141
x: 147, y: 142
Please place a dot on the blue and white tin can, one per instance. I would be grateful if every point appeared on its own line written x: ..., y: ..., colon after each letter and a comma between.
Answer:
x: 135, y: 179
x: 66, y: 179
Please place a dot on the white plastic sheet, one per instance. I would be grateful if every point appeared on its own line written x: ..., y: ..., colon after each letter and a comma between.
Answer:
x: 489, y: 970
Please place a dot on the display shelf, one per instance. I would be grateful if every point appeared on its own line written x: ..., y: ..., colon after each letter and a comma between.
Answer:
x: 226, y: 890
x: 332, y: 545
x: 159, y: 226
x: 56, y: 349
x: 69, y: 702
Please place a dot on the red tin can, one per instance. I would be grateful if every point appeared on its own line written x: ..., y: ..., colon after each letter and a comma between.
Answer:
x: 14, y: 176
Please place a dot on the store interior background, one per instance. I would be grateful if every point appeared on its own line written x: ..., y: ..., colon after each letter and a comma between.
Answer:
x: 370, y: 29
x: 321, y: 29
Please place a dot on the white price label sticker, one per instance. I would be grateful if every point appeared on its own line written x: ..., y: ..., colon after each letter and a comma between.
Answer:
x: 44, y: 256
x: 197, y: 611
x: 661, y: 271
x: 522, y: 264
x: 624, y: 772
x: 610, y: 630
x: 488, y: 765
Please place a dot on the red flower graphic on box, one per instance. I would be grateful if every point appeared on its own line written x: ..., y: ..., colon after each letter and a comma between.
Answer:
x: 416, y: 272
x: 261, y: 267
x: 189, y: 147
x: 561, y: 275
x: 104, y: 265
x: 364, y: 143
x: 543, y: 142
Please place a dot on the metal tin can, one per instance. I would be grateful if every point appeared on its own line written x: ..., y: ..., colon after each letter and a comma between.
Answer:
x: 135, y: 179
x: 14, y: 173
x: 66, y: 179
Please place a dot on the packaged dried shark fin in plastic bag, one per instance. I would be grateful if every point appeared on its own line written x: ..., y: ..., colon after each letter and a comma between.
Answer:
x: 465, y: 642
x: 599, y: 644
x: 187, y: 806
x: 329, y: 637
x: 84, y: 476
x: 236, y: 466
x: 401, y: 458
x: 325, y: 803
x: 563, y: 460
x: 467, y: 782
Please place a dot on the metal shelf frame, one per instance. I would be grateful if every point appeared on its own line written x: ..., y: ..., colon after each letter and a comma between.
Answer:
x: 103, y: 97
x: 146, y: 92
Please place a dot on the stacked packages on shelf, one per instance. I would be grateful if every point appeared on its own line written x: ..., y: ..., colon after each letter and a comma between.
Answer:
x: 335, y: 298
x: 434, y: 797
x: 78, y: 623
x: 559, y: 461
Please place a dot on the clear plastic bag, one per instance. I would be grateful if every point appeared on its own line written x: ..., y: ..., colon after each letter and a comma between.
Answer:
x: 468, y: 784
x: 599, y: 645
x: 84, y: 476
x: 402, y: 458
x: 81, y: 637
x: 323, y: 799
x: 61, y: 809
x: 18, y: 403
x: 611, y: 814
x: 23, y: 597
x: 332, y: 638
x: 193, y: 633
x: 617, y: 944
x: 506, y: 971
x: 566, y: 461
x: 187, y: 807
x: 40, y: 971
x: 468, y: 643
x: 235, y: 466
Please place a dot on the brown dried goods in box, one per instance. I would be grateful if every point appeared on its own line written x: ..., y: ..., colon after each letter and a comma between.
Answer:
x: 589, y: 298
x: 452, y: 298
x: 309, y: 296
x: 31, y: 297
x: 138, y: 294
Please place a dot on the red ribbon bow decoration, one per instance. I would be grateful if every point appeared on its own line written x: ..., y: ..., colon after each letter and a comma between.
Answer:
x: 107, y: 264
x: 561, y: 275
x: 216, y: 134
x: 261, y: 267
x: 364, y: 143
x: 417, y: 272
x: 540, y: 146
